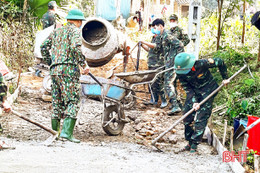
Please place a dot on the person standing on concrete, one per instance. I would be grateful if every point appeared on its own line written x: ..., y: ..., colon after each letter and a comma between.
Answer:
x: 198, y: 83
x: 48, y: 18
x: 65, y: 60
x: 155, y: 60
x: 178, y: 31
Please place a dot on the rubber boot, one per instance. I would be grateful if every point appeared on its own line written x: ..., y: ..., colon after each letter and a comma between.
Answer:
x: 55, y: 124
x: 67, y: 130
x: 175, y: 107
x: 193, y: 148
x: 164, y: 102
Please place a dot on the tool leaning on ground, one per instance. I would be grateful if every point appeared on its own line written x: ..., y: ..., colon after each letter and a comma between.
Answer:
x: 249, y: 127
x: 190, y: 111
x: 50, y: 139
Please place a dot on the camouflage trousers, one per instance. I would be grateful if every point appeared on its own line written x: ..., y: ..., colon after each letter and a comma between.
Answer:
x: 170, y: 87
x: 65, y: 96
x: 157, y: 86
x: 195, y: 134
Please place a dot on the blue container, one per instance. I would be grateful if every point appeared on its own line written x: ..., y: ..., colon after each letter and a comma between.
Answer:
x: 238, y: 122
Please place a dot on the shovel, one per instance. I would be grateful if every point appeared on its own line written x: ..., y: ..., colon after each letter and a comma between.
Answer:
x: 50, y: 139
x: 249, y: 127
x: 191, y: 111
x: 110, y: 73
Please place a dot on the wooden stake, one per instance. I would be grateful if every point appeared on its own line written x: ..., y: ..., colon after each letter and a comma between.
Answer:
x: 244, y: 145
x: 245, y: 142
x: 256, y: 163
x: 225, y: 132
x: 231, y: 139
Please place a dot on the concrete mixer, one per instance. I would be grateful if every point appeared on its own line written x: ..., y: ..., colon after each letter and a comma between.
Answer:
x: 100, y: 41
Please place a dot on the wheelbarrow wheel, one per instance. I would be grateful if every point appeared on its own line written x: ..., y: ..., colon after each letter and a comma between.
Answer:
x: 112, y: 124
x: 129, y: 100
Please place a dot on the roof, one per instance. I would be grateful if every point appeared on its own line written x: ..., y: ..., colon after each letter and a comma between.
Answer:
x: 180, y: 2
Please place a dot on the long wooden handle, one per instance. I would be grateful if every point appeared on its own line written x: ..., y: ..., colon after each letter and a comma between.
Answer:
x: 95, y: 79
x: 33, y: 122
x: 190, y: 111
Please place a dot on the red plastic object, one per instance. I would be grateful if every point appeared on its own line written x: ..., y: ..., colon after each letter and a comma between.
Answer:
x: 254, y: 135
x: 3, y: 68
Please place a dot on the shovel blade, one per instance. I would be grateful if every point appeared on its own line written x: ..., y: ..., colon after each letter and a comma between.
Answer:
x: 50, y: 140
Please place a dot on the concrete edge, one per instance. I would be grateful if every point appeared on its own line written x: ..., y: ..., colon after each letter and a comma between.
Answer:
x: 235, y: 166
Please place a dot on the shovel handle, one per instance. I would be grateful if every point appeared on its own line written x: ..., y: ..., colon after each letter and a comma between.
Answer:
x: 33, y: 122
x: 95, y: 79
x: 190, y: 111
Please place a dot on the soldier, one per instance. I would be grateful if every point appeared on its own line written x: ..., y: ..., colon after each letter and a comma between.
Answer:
x: 198, y: 83
x: 48, y: 18
x: 171, y: 47
x: 178, y: 31
x: 155, y: 60
x: 3, y: 93
x: 65, y: 60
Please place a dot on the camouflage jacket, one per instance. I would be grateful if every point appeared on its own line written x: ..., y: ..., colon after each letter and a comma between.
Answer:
x: 3, y: 89
x: 65, y: 46
x: 178, y: 32
x: 48, y: 19
x: 199, y: 81
x: 171, y: 47
x: 154, y: 55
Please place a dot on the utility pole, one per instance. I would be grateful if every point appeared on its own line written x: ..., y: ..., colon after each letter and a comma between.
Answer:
x: 194, y: 22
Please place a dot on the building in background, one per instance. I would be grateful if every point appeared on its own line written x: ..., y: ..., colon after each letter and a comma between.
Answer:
x: 111, y: 9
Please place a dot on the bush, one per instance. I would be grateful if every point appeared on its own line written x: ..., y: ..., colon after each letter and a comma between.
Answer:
x: 17, y: 40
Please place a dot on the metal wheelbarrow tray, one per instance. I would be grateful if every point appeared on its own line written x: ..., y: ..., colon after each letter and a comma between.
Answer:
x: 137, y: 76
x: 112, y: 89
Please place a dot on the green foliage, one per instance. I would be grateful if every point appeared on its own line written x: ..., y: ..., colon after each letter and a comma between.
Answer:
x: 242, y: 95
x: 36, y: 7
x: 231, y: 35
x: 18, y: 37
x: 251, y: 159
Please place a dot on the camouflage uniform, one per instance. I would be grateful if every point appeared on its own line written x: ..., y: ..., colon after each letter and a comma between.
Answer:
x: 198, y: 84
x: 65, y: 45
x: 48, y: 19
x: 171, y: 47
x: 155, y: 60
x: 178, y: 33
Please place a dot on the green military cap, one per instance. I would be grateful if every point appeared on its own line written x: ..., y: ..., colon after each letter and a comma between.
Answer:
x: 184, y: 62
x: 75, y: 14
x: 52, y: 4
x: 173, y: 17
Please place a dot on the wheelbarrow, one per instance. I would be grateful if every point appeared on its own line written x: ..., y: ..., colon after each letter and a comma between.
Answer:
x: 140, y: 78
x: 112, y: 95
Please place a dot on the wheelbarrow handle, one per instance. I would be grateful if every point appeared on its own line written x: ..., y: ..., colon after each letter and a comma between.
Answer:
x: 95, y: 79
